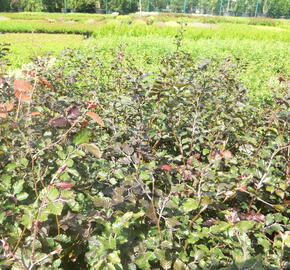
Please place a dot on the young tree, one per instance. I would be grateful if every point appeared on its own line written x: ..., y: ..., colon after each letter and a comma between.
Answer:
x: 124, y: 6
x: 52, y: 5
x: 4, y: 5
x: 278, y: 8
x: 32, y: 5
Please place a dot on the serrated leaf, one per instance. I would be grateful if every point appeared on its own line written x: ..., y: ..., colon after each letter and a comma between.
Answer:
x: 69, y: 163
x: 44, y: 214
x: 27, y: 219
x: 24, y: 161
x: 83, y: 136
x: 53, y: 193
x: 62, y: 238
x: 18, y: 186
x: 67, y: 194
x: 11, y: 166
x: 245, y: 225
x: 101, y: 202
x: 190, y: 204
x: 220, y: 227
x: 172, y: 222
x: 55, y: 208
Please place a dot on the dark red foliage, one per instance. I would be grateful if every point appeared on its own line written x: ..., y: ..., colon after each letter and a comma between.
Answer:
x: 166, y: 167
x: 73, y: 112
x: 63, y: 185
x: 252, y: 215
x: 58, y: 121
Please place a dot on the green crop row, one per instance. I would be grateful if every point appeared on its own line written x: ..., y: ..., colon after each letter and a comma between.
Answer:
x: 82, y: 17
x: 121, y: 28
x: 53, y: 16
x: 193, y: 32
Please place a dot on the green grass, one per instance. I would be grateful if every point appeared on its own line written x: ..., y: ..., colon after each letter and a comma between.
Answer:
x: 26, y: 46
x: 261, y: 44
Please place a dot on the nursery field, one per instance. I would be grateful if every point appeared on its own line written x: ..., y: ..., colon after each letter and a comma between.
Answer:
x: 263, y: 45
x: 144, y: 142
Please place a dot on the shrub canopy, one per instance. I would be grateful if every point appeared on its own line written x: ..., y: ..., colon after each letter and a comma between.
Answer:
x: 104, y: 166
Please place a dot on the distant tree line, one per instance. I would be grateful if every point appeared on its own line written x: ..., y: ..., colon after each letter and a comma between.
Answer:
x: 269, y: 8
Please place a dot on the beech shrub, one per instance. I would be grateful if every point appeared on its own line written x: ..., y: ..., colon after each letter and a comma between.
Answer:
x: 106, y: 166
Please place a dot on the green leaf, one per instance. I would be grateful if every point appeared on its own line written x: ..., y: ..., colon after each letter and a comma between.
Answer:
x: 122, y: 222
x: 280, y: 140
x: 145, y: 175
x: 287, y: 239
x: 220, y: 227
x: 190, y: 204
x: 74, y: 172
x: 6, y: 180
x: 270, y: 189
x: 110, y: 266
x: 11, y: 167
x: 205, y: 151
x: 67, y: 194
x: 27, y: 219
x: 56, y: 264
x: 206, y: 200
x: 22, y: 196
x: 194, y: 237
x: 264, y: 243
x: 83, y: 136
x: 69, y: 163
x: 44, y: 214
x: 61, y: 154
x: 62, y: 238
x: 64, y: 176
x: 18, y: 186
x: 24, y: 161
x: 142, y: 260
x: 55, y: 208
x: 113, y: 257
x: 279, y: 207
x: 245, y: 225
x: 53, y: 193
